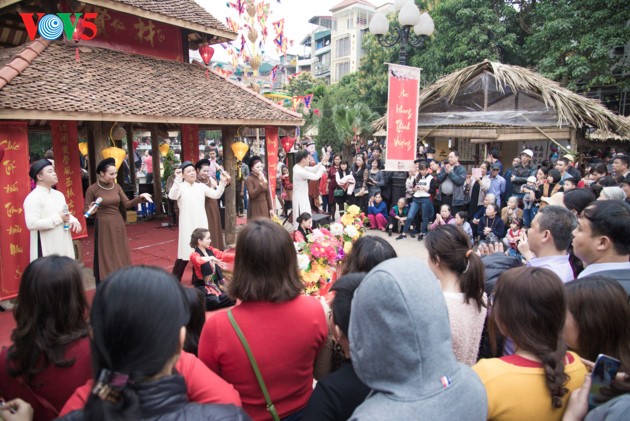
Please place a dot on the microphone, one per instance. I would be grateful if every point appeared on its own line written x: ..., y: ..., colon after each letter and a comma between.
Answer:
x: 96, y: 204
x: 66, y: 211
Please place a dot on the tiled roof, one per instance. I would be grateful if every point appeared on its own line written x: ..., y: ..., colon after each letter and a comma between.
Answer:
x: 110, y: 85
x: 347, y: 3
x: 185, y: 10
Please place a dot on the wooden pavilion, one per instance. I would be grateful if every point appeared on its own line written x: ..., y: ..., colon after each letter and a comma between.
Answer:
x: 134, y: 72
x: 507, y: 107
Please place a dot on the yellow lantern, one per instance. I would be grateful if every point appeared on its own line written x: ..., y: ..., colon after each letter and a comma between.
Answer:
x: 113, y: 152
x: 83, y: 148
x: 164, y: 148
x: 239, y: 149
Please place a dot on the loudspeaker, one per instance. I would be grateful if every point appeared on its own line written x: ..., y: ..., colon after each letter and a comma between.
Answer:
x: 320, y: 219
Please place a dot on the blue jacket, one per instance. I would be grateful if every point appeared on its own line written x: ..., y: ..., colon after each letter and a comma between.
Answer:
x: 378, y: 208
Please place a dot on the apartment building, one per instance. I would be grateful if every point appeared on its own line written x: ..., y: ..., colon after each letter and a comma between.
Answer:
x: 350, y: 20
x: 319, y: 45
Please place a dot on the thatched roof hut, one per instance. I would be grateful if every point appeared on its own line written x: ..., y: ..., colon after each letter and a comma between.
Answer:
x: 494, y: 102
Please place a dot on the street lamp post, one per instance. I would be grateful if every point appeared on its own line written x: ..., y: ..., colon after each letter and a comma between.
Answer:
x: 409, y: 17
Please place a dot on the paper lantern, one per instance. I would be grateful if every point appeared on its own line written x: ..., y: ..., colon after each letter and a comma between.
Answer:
x: 164, y: 148
x: 252, y: 35
x: 239, y: 149
x: 206, y: 52
x: 78, y: 30
x: 113, y: 152
x: 255, y: 62
x: 287, y: 143
x: 83, y: 148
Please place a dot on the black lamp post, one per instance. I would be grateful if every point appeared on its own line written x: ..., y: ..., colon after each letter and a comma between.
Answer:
x: 410, y: 18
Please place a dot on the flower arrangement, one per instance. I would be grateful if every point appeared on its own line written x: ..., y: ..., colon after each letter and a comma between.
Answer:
x: 324, y: 249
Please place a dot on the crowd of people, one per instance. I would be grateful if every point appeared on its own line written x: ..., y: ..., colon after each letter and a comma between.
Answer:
x: 526, y: 284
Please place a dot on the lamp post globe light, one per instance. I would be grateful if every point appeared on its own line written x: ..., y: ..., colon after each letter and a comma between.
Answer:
x: 409, y: 17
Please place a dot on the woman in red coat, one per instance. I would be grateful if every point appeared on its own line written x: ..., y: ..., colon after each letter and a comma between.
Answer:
x: 284, y: 329
x: 50, y: 354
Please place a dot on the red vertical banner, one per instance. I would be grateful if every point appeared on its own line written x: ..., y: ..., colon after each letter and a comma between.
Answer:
x: 271, y: 145
x: 15, y: 238
x: 190, y: 142
x: 402, y: 117
x: 65, y: 143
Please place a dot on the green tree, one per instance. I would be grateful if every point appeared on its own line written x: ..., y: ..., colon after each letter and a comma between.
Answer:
x: 467, y: 32
x: 326, y: 130
x: 353, y: 123
x: 303, y: 84
x: 574, y: 41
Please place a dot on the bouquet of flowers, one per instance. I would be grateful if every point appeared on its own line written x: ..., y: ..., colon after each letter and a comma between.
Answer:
x: 324, y: 249
x: 317, y: 259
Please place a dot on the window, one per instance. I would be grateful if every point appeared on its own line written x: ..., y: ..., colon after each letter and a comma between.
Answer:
x: 349, y: 23
x: 342, y: 47
x: 341, y: 69
x: 363, y: 18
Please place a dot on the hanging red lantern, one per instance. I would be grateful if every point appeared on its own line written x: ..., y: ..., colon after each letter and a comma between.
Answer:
x: 287, y: 143
x: 206, y: 52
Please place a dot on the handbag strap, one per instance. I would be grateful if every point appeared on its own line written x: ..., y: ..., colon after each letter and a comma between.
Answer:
x: 270, y: 407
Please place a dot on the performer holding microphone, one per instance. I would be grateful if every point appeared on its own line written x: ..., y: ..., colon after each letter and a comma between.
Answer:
x: 111, y: 250
x: 47, y: 215
x: 191, y: 196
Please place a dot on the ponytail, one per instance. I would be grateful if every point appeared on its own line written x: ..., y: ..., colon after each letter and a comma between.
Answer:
x: 471, y: 281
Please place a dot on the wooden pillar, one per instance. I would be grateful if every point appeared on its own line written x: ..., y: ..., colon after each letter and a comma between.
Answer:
x: 574, y: 145
x: 98, y: 139
x: 229, y: 163
x: 131, y: 156
x: 157, y: 180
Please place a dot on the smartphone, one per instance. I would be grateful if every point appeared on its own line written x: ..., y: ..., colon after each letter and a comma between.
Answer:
x: 603, y: 374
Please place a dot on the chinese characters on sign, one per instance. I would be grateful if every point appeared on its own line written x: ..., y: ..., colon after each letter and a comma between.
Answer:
x: 14, y: 187
x: 190, y: 142
x: 271, y: 133
x: 402, y: 117
x: 66, y: 140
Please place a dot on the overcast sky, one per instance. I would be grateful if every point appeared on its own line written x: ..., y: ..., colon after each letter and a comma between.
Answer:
x: 296, y: 14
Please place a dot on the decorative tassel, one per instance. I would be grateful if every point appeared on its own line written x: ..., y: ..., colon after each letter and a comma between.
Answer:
x: 207, y: 77
x: 76, y: 54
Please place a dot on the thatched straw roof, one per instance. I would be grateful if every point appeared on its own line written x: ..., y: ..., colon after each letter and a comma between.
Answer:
x: 566, y: 107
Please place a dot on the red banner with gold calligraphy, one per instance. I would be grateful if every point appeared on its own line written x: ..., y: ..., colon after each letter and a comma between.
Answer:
x: 65, y: 143
x: 15, y: 238
x: 402, y: 117
x: 271, y: 144
x: 132, y: 34
x: 190, y: 142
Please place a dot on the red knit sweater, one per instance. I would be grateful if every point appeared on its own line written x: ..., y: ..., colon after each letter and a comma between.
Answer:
x: 285, y: 339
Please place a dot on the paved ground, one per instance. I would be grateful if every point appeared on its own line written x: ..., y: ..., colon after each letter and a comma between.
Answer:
x: 409, y: 247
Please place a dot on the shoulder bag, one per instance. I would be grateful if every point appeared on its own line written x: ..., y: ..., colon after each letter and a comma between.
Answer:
x: 252, y: 361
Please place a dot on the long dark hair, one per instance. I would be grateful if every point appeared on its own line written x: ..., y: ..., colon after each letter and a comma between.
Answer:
x: 530, y: 307
x: 343, y: 173
x: 197, y: 309
x: 451, y: 246
x: 130, y: 337
x: 50, y: 314
x: 367, y: 253
x: 600, y: 309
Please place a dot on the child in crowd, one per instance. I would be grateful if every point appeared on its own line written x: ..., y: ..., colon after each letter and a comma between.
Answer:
x: 569, y: 184
x: 397, y: 216
x: 410, y: 183
x: 377, y: 212
x: 491, y: 227
x: 461, y: 221
x: 529, y: 200
x: 511, y: 211
x: 287, y: 190
x: 207, y: 275
x: 514, y: 235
